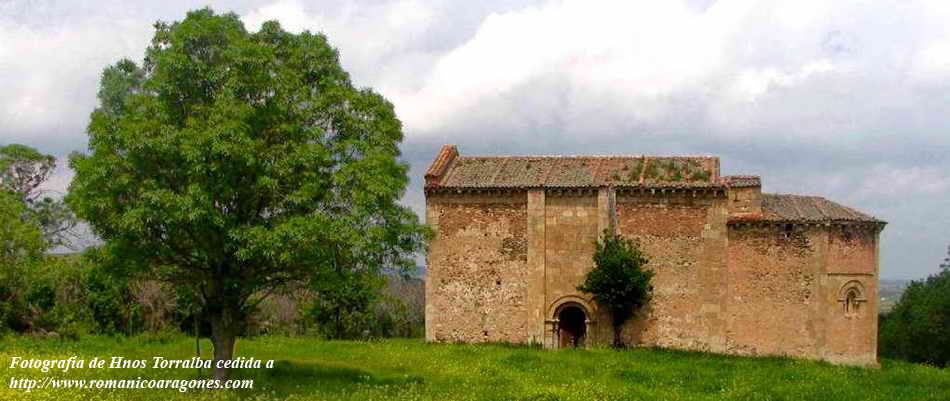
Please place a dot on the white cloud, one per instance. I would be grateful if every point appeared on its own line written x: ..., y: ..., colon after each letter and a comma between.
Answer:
x: 756, y: 82
x: 368, y: 34
x: 50, y: 75
x: 932, y: 64
x: 895, y: 182
x: 844, y: 99
x: 637, y: 57
x: 618, y: 51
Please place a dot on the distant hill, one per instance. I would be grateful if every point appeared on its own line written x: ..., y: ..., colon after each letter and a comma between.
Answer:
x: 890, y: 292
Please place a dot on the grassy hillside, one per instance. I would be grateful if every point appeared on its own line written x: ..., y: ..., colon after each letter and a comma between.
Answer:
x: 412, y: 370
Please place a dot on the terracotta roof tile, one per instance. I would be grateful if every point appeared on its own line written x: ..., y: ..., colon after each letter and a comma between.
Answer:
x: 442, y: 161
x: 799, y: 208
x: 474, y: 172
x: 742, y: 181
x: 577, y: 171
x: 451, y: 171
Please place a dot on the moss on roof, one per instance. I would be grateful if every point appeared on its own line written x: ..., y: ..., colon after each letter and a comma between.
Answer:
x: 579, y: 171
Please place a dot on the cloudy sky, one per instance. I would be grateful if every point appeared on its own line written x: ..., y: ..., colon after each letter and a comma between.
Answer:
x: 846, y: 99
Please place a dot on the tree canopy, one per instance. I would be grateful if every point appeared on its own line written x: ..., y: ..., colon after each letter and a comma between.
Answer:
x: 618, y: 281
x: 22, y: 170
x: 21, y: 245
x: 234, y: 163
x: 918, y: 328
x: 20, y: 238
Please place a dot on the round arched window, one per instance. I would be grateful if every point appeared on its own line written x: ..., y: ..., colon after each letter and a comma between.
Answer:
x: 851, y: 298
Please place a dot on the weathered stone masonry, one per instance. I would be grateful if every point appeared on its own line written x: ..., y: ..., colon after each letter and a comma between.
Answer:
x: 737, y: 271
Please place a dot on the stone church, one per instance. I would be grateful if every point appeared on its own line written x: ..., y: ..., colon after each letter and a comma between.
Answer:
x: 738, y: 271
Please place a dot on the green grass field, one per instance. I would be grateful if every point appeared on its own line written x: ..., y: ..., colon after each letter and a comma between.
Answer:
x: 309, y: 369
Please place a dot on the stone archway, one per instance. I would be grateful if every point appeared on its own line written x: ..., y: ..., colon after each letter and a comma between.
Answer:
x: 572, y: 325
x: 578, y: 316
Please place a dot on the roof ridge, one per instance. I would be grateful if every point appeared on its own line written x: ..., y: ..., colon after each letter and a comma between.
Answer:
x: 446, y: 155
x: 631, y: 156
x: 796, y: 195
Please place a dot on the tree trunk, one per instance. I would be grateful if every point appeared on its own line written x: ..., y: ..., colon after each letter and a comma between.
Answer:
x: 224, y: 329
x: 618, y: 337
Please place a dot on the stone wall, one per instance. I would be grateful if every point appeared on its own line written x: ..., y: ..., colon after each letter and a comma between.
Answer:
x: 477, y: 278
x: 851, y: 335
x: 571, y: 229
x: 745, y: 201
x: 774, y: 301
x: 683, y: 312
x: 502, y: 263
x: 787, y: 285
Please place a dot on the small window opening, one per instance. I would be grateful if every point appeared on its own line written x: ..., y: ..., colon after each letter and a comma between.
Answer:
x: 851, y: 302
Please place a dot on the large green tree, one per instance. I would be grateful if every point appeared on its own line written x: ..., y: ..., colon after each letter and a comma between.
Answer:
x: 618, y: 282
x: 22, y: 170
x: 235, y: 163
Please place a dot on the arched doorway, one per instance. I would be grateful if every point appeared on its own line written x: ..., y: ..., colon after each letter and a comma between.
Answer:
x: 572, y: 325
